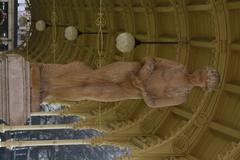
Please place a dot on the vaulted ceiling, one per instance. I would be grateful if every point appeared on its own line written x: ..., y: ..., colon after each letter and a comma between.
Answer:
x: 207, y: 127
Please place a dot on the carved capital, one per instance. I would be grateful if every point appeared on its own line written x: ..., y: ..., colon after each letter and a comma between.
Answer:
x: 219, y: 5
x: 54, y: 17
x: 121, y: 113
x: 9, y: 144
x: 148, y: 7
x: 180, y: 144
x: 99, y: 61
x: 2, y: 128
x: 201, y: 119
x: 231, y: 153
x: 179, y: 6
x: 147, y: 125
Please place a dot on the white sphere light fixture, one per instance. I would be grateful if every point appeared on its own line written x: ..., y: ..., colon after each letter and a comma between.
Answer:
x: 71, y: 33
x: 40, y: 25
x: 125, y: 42
x: 22, y: 21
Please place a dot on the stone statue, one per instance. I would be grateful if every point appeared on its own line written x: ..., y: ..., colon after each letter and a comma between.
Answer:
x: 159, y: 82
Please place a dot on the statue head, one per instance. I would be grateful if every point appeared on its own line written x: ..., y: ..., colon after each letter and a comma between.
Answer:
x: 207, y: 77
x: 213, y: 78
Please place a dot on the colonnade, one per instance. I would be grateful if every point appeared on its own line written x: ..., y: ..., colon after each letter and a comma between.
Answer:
x: 81, y: 125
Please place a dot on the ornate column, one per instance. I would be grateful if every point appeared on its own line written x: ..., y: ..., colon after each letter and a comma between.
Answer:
x: 76, y: 126
x: 4, y: 128
x: 10, y: 144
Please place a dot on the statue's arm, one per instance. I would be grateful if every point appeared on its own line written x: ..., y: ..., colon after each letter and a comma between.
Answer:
x: 155, y: 63
x: 155, y: 102
x: 170, y: 64
x: 147, y: 68
x: 163, y: 102
x: 166, y: 61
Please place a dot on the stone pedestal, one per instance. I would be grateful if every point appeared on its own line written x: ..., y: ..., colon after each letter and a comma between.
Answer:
x: 14, y: 89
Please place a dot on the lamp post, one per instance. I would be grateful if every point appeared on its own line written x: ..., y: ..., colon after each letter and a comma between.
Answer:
x: 126, y: 42
x: 41, y: 25
x: 71, y: 33
x: 154, y: 42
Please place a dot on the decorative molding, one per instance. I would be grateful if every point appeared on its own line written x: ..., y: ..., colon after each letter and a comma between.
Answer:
x: 147, y: 125
x: 182, y: 29
x: 201, y: 119
x: 232, y: 153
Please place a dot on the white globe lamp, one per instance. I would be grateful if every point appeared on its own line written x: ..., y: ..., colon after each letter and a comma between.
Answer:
x: 40, y: 25
x: 125, y: 42
x: 71, y: 33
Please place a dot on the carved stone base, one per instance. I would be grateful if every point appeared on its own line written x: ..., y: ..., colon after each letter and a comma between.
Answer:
x: 14, y: 89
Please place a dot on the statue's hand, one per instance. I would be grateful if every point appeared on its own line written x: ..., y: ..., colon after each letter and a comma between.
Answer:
x: 149, y: 60
x: 147, y: 69
x: 137, y: 82
x: 149, y: 99
x: 149, y: 63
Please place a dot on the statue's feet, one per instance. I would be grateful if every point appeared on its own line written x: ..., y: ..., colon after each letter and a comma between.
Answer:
x: 148, y: 98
